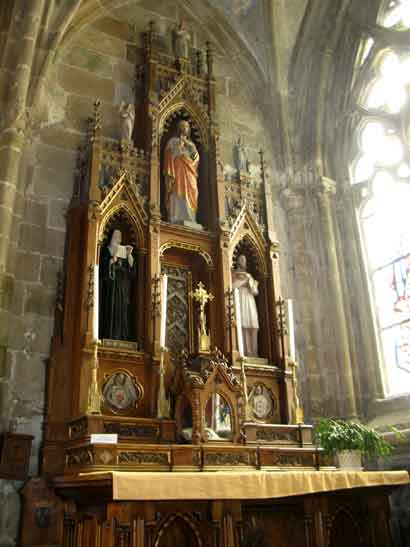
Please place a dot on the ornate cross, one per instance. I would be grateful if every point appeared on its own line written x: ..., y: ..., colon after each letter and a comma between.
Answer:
x: 201, y: 296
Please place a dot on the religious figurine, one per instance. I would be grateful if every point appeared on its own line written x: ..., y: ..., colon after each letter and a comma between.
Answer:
x: 248, y: 289
x: 182, y: 38
x: 119, y: 392
x: 181, y: 176
x: 117, y: 270
x: 240, y: 157
x: 127, y: 113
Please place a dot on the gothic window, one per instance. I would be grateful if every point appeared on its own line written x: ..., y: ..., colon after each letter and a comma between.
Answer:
x: 381, y: 171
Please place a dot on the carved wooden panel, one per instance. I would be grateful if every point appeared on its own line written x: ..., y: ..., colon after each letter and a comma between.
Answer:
x: 344, y: 531
x: 178, y: 308
x: 280, y: 525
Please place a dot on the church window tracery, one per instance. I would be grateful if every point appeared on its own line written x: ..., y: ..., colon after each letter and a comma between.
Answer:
x: 381, y: 172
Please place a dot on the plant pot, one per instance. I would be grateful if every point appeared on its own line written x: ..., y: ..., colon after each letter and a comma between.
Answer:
x: 349, y: 460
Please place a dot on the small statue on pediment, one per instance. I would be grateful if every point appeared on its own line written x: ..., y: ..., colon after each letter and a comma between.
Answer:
x: 182, y: 38
x: 127, y: 113
x: 240, y: 157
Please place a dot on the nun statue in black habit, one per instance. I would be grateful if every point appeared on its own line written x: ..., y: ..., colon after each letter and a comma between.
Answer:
x: 117, y: 271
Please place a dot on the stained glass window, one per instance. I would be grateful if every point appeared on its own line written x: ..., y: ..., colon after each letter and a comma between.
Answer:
x: 397, y: 15
x: 382, y: 167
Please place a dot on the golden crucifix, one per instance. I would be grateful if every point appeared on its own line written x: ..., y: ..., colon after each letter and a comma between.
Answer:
x: 201, y: 296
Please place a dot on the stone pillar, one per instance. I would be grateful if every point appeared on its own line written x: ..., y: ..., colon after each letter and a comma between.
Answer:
x: 26, y: 30
x: 10, y: 510
x: 20, y: 47
x: 356, y: 290
x: 312, y: 378
x: 325, y: 191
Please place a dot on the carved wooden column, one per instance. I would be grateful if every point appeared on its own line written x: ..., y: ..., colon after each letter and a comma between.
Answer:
x: 325, y: 191
x: 378, y: 510
x: 216, y: 174
x: 277, y: 355
x: 229, y: 332
x: 143, y: 299
x: 92, y: 223
x: 87, y: 399
x: 315, y: 521
x: 216, y: 518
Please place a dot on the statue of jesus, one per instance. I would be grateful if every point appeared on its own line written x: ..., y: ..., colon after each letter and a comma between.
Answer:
x: 248, y: 289
x: 181, y: 161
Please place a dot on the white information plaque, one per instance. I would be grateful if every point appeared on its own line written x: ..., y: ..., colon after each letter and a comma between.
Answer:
x: 104, y: 438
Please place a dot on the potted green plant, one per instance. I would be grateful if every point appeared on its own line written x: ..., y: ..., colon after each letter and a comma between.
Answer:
x: 350, y: 441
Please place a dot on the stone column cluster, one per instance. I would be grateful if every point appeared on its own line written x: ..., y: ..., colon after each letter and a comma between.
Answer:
x: 325, y: 192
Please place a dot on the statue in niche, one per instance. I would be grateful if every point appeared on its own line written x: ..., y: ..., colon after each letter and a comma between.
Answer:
x: 248, y: 289
x: 127, y: 113
x: 119, y: 392
x: 240, y: 157
x: 182, y: 38
x: 117, y: 270
x: 180, y: 170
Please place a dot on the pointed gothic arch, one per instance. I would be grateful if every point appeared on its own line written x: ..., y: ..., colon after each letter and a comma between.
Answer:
x: 246, y: 230
x: 118, y: 214
x: 183, y: 527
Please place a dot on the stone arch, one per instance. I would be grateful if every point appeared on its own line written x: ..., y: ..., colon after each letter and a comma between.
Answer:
x: 71, y: 21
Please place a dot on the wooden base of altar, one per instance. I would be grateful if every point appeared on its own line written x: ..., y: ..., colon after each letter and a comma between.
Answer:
x: 210, y: 509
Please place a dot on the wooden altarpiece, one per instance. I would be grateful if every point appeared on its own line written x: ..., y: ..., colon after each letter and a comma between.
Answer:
x: 164, y: 406
x: 120, y: 186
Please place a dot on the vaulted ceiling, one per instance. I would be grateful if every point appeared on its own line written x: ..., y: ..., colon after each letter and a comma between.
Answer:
x: 297, y: 55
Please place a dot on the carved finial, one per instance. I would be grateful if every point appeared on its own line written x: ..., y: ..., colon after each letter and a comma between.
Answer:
x: 281, y: 317
x: 156, y: 295
x: 97, y: 120
x: 60, y: 292
x: 209, y: 59
x: 262, y: 161
x: 199, y: 60
x: 148, y: 37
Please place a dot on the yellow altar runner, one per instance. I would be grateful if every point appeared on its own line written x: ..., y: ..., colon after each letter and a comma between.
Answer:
x: 237, y: 485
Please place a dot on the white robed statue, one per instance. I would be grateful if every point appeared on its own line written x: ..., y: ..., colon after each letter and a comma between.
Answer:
x: 248, y: 288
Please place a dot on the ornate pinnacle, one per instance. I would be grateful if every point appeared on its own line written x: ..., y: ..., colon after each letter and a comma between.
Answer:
x: 209, y: 59
x: 97, y: 120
